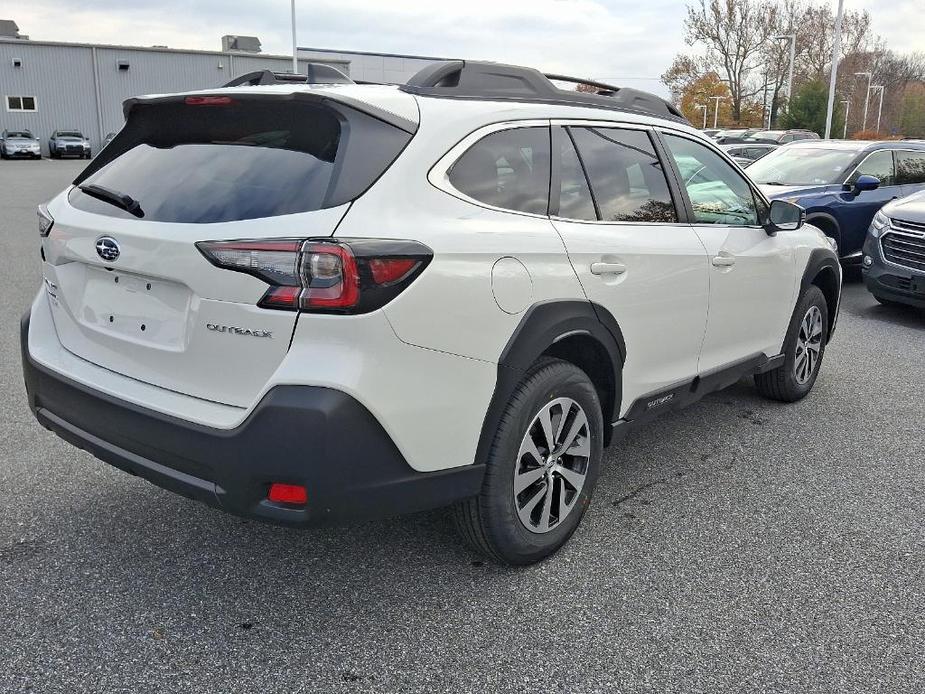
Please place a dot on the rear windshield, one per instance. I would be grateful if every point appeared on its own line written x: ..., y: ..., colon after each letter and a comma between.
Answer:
x: 246, y: 159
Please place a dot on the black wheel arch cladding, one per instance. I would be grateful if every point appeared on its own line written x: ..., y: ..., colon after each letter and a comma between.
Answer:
x: 823, y: 270
x: 543, y: 326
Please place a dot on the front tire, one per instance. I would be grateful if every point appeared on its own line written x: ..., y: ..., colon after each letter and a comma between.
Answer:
x: 804, y: 348
x: 542, y: 468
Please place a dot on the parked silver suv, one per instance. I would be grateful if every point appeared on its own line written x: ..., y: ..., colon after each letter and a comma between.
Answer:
x: 70, y: 143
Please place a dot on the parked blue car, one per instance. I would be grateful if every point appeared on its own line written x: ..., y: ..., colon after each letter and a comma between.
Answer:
x: 842, y: 184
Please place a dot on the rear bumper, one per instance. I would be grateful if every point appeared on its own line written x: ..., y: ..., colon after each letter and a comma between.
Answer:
x: 317, y: 437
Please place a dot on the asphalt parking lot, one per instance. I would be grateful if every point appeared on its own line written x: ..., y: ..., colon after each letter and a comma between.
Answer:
x: 741, y: 546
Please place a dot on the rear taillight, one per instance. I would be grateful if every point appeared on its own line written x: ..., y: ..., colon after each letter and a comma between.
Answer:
x: 45, y: 220
x: 323, y: 276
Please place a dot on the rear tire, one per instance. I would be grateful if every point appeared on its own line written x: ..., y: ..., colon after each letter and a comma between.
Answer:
x: 555, y: 485
x: 804, y: 348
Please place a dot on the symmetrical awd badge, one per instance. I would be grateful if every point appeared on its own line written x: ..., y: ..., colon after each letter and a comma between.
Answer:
x: 107, y: 248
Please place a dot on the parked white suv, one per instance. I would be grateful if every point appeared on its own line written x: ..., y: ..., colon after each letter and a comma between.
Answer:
x: 319, y: 302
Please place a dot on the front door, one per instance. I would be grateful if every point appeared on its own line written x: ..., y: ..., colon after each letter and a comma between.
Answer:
x: 751, y: 274
x: 630, y: 252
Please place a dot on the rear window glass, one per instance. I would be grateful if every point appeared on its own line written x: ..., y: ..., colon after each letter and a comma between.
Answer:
x: 507, y: 169
x: 245, y: 160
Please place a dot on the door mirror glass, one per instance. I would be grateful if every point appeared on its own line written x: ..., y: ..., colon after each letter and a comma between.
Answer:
x: 866, y: 182
x: 785, y: 216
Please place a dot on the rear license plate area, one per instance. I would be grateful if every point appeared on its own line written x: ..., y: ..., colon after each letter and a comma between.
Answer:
x: 135, y: 307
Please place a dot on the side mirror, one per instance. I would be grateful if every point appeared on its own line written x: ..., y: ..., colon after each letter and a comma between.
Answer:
x: 865, y: 182
x: 785, y: 216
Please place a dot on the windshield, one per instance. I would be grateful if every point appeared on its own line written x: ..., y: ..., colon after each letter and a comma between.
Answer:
x: 70, y: 133
x: 802, y: 166
x: 21, y: 133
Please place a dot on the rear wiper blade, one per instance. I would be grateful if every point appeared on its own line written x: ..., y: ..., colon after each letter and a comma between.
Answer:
x: 113, y: 197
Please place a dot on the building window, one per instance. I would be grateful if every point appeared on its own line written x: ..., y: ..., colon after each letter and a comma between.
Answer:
x: 20, y: 103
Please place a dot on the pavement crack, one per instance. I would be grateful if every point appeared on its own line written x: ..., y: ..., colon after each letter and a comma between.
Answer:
x: 638, y: 490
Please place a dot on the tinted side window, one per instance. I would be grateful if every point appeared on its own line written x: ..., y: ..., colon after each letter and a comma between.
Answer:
x: 718, y: 194
x: 507, y: 169
x: 910, y: 167
x: 626, y: 177
x: 575, y: 200
x: 879, y: 164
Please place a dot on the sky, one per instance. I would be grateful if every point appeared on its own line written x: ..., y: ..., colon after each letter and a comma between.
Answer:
x: 627, y: 43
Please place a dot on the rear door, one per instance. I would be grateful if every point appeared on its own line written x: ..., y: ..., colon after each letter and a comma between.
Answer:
x: 129, y: 289
x: 630, y: 251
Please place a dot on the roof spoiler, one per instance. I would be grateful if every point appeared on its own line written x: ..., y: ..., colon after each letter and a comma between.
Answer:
x: 316, y: 73
x: 471, y: 79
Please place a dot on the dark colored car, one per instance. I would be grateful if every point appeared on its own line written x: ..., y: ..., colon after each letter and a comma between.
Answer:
x: 19, y: 144
x: 68, y: 143
x: 746, y: 154
x: 781, y: 137
x: 894, y: 253
x: 841, y: 184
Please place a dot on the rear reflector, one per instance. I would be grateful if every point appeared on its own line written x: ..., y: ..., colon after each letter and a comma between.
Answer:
x: 288, y: 494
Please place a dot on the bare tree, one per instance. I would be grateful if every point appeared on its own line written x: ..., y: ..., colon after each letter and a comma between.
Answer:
x: 684, y: 71
x: 734, y: 33
x: 816, y: 34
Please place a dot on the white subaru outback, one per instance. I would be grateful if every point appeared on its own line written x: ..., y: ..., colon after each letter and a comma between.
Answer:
x: 314, y: 302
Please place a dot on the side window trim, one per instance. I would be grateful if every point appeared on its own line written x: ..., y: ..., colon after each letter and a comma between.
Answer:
x: 759, y: 199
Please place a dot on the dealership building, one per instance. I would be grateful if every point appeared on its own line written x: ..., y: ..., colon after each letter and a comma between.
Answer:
x: 50, y: 85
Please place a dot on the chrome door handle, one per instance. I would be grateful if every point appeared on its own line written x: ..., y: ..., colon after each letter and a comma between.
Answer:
x: 724, y: 261
x: 607, y: 268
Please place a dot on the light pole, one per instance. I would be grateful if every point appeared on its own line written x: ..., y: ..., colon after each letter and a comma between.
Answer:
x: 847, y: 103
x: 716, y: 100
x: 836, y: 53
x: 703, y: 107
x: 793, y: 45
x: 866, y: 97
x: 880, y: 107
x: 295, y: 51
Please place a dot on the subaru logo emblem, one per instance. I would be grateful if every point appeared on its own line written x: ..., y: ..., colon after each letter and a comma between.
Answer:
x: 107, y: 248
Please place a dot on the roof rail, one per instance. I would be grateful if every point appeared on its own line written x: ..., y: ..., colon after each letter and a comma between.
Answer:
x: 472, y: 79
x: 317, y: 73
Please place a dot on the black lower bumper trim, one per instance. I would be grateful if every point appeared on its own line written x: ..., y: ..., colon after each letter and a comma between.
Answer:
x: 317, y: 437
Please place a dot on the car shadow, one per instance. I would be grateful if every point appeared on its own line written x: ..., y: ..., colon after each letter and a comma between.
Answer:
x: 906, y: 316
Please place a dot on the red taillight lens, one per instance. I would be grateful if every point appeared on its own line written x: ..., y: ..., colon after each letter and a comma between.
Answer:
x: 288, y: 494
x: 389, y: 270
x: 208, y: 101
x: 349, y: 276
